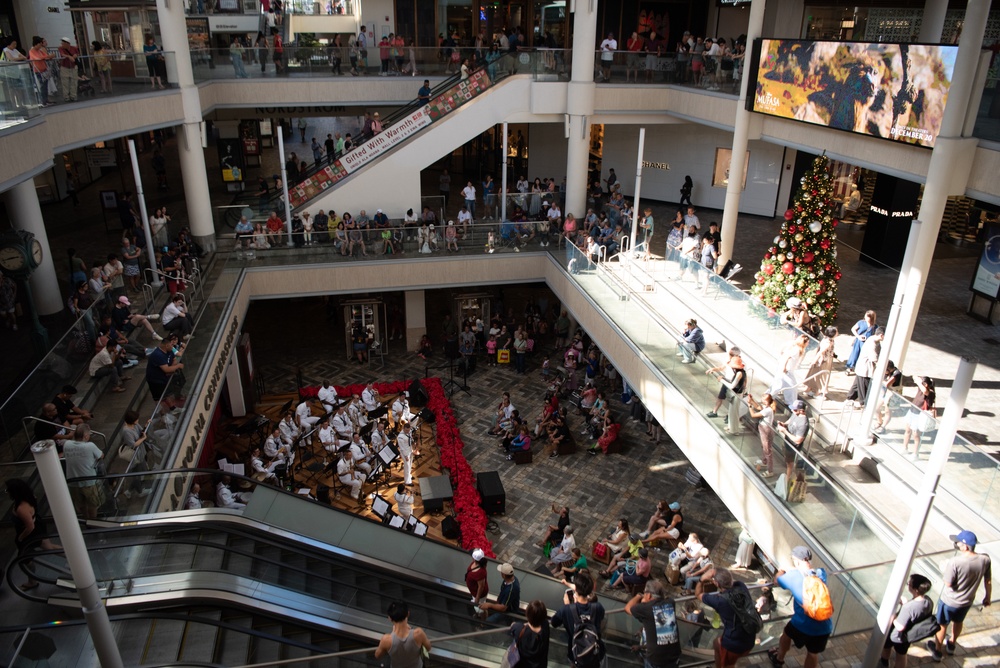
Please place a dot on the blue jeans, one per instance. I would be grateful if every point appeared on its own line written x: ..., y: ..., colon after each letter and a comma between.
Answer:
x: 687, y: 350
x: 43, y: 87
x: 470, y: 204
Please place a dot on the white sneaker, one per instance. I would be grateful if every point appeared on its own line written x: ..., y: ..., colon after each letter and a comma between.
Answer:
x: 153, y: 316
x: 516, y: 249
x: 157, y: 336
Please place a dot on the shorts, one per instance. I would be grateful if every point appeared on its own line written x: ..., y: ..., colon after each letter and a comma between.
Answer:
x: 358, y: 347
x: 83, y: 498
x: 813, y: 644
x: 946, y: 614
x: 727, y: 657
x: 697, y: 65
x: 900, y: 647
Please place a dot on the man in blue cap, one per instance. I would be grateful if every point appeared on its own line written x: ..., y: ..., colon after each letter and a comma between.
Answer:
x: 802, y: 629
x: 961, y: 575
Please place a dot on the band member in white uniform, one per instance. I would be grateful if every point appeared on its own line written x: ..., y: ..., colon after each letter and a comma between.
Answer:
x: 327, y: 436
x: 404, y: 501
x: 277, y: 449
x: 378, y: 437
x: 226, y: 498
x: 356, y: 411
x: 342, y: 425
x: 401, y: 410
x: 361, y: 454
x: 260, y: 471
x: 303, y: 412
x: 406, y: 452
x: 370, y: 398
x: 289, y: 428
x: 348, y: 475
x: 328, y: 397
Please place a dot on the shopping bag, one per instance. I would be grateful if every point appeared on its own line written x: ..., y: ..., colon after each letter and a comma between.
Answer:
x: 503, y: 356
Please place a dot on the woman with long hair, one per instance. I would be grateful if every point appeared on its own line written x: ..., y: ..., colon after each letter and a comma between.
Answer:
x: 27, y: 526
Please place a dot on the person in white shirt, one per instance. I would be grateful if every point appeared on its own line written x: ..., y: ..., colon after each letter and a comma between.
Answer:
x: 690, y: 219
x: 328, y: 396
x: 608, y: 48
x: 259, y: 470
x: 469, y: 193
x: 370, y: 398
x: 403, y: 443
x: 555, y: 223
x: 225, y: 498
x: 176, y: 317
x: 379, y: 438
x: 404, y: 501
x: 277, y: 449
x: 303, y: 413
x: 193, y: 501
x: 401, y: 409
x: 347, y: 473
x: 464, y: 220
x: 108, y: 363
x: 361, y: 454
x: 342, y: 424
x: 327, y: 436
x: 410, y: 220
x: 356, y: 412
x: 289, y: 428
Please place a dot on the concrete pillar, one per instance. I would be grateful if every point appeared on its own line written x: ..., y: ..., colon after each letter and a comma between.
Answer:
x: 741, y: 136
x: 580, y: 106
x: 415, y: 310
x: 26, y: 214
x: 173, y: 31
x: 932, y: 22
x: 950, y: 152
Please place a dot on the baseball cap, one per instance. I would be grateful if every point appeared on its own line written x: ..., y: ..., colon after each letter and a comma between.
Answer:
x: 478, y: 554
x: 802, y: 552
x: 793, y: 302
x: 505, y: 569
x: 124, y: 300
x: 378, y: 210
x: 798, y: 405
x: 966, y: 537
x: 634, y: 537
x: 675, y: 506
x: 67, y: 40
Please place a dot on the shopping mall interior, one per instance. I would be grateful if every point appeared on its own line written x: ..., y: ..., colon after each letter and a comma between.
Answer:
x: 304, y: 185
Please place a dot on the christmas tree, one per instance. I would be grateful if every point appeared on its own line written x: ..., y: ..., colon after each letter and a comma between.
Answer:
x: 803, y: 260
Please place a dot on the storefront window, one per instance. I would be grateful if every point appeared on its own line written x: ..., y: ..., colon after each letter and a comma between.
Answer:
x: 455, y: 16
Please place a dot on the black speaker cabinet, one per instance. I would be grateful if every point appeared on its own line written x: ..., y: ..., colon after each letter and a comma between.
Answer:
x: 427, y: 415
x: 418, y: 395
x: 323, y: 494
x: 491, y: 495
x: 450, y: 528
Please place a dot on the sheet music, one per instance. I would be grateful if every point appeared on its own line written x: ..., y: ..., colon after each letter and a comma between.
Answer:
x: 304, y: 491
x: 239, y: 469
x: 420, y: 529
x: 396, y: 522
x: 223, y: 463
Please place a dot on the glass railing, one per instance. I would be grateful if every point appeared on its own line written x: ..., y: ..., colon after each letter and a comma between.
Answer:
x: 320, y: 7
x: 19, y: 99
x: 710, y: 73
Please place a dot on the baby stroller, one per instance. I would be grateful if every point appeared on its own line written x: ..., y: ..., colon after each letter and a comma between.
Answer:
x: 85, y: 87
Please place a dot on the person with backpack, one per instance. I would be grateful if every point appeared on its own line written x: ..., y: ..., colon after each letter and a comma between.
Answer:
x: 914, y: 621
x: 582, y: 618
x: 660, y: 632
x: 812, y: 621
x: 740, y: 620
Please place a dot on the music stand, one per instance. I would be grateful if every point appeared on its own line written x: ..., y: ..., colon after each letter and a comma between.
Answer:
x: 397, y: 521
x: 383, y: 464
x: 381, y: 508
x: 417, y: 527
x: 450, y: 385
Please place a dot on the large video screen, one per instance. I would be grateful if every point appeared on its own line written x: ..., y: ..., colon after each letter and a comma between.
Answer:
x: 892, y: 91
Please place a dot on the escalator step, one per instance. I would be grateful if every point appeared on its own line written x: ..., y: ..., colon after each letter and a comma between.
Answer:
x: 234, y: 647
x: 165, y: 642
x: 131, y: 640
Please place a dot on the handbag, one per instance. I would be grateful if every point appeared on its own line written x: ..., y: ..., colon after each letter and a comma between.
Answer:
x: 53, y: 86
x: 503, y: 356
x: 600, y: 550
x: 513, y: 655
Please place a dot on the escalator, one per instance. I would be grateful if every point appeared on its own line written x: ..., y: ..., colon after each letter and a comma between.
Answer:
x: 318, y: 596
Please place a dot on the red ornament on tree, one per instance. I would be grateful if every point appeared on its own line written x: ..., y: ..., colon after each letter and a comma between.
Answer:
x: 809, y: 257
x: 769, y: 269
x: 837, y: 276
x: 788, y: 268
x: 789, y: 214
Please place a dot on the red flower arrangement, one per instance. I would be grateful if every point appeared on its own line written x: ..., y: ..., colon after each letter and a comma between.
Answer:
x: 465, y: 501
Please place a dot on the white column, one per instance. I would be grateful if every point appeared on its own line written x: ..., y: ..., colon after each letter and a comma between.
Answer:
x: 503, y: 176
x: 940, y: 452
x: 26, y: 214
x: 75, y: 549
x: 940, y: 183
x: 416, y: 317
x: 638, y: 190
x: 932, y: 22
x: 173, y: 31
x: 150, y: 249
x: 741, y: 135
x: 580, y: 105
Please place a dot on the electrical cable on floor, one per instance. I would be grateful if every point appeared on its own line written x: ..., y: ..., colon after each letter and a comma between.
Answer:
x: 492, y: 526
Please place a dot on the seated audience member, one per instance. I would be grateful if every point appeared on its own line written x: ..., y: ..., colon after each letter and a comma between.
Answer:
x: 125, y: 321
x: 701, y: 569
x: 557, y: 434
x: 638, y: 577
x: 617, y: 540
x: 67, y: 411
x: 328, y: 396
x: 579, y: 564
x: 108, y: 362
x: 608, y: 436
x: 563, y: 553
x: 631, y: 551
x: 50, y: 427
x: 521, y: 442
x: 176, y: 317
x: 502, y: 414
x: 667, y: 524
x: 554, y: 533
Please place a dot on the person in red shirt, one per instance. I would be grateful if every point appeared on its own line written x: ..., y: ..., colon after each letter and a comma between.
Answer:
x: 39, y: 57
x: 274, y: 227
x: 68, y: 55
x: 475, y: 577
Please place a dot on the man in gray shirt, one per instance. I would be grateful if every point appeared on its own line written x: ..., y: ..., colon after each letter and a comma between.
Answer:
x: 81, y: 458
x: 962, y: 575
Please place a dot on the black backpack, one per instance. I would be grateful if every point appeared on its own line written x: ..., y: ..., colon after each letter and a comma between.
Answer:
x: 586, y: 647
x: 746, y: 612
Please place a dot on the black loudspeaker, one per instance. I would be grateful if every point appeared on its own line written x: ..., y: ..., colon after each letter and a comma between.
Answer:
x: 323, y: 494
x: 427, y: 415
x: 418, y: 395
x: 491, y: 495
x: 450, y: 528
x: 451, y: 349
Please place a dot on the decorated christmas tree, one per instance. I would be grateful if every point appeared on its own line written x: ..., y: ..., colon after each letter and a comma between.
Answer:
x: 803, y: 260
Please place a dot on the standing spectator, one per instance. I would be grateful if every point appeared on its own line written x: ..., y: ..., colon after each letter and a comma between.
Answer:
x: 475, y: 577
x: 236, y: 52
x: 961, y: 576
x: 39, y: 57
x: 404, y: 645
x: 919, y: 608
x: 532, y: 638
x: 737, y: 640
x: 317, y: 150
x: 278, y: 53
x: 660, y: 633
x: 686, y: 193
x: 81, y: 457
x: 469, y: 193
x: 802, y: 629
x: 28, y: 527
x: 508, y: 598
x: 302, y: 125
x: 794, y: 430
x: 865, y: 368
x: 582, y: 617
x: 424, y: 95
x: 861, y: 330
x: 817, y: 380
x: 68, y: 55
x: 608, y: 48
x: 920, y: 415
x: 155, y: 64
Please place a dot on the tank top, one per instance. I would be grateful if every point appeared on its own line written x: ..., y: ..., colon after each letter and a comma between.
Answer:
x: 680, y: 525
x: 405, y: 653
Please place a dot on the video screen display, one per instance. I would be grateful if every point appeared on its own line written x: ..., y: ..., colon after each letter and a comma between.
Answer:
x: 891, y: 91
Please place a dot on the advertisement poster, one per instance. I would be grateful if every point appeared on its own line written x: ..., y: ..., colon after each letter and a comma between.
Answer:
x: 231, y: 160
x: 987, y: 279
x: 891, y: 91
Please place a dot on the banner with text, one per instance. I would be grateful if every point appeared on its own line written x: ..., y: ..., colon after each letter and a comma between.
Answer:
x: 390, y: 137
